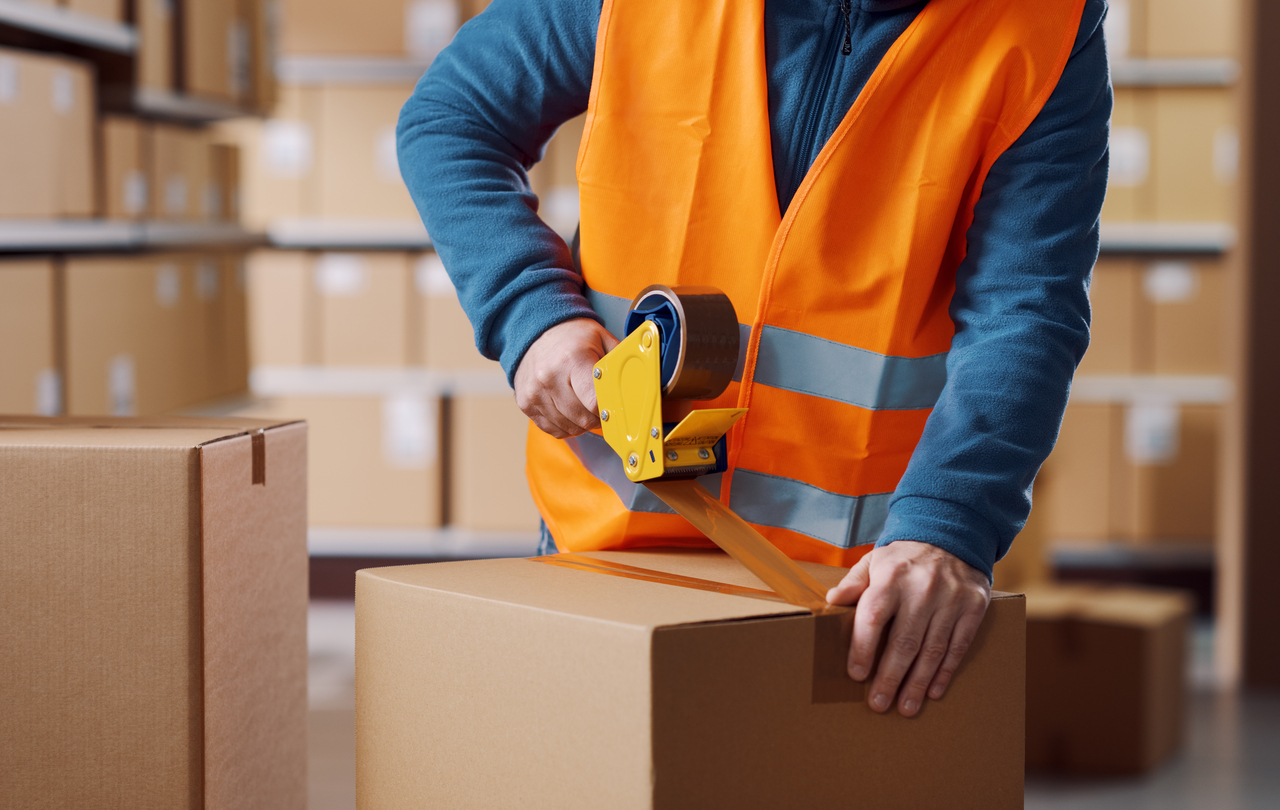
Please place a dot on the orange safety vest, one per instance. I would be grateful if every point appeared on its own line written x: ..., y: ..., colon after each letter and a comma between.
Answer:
x: 844, y: 300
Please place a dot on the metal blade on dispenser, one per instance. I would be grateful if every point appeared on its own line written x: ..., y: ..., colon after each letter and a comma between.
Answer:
x: 740, y: 541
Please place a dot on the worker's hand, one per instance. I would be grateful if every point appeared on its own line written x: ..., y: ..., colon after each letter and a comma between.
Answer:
x: 935, y: 602
x: 553, y: 382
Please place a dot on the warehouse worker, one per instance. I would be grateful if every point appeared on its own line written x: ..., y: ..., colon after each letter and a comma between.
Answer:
x: 900, y: 198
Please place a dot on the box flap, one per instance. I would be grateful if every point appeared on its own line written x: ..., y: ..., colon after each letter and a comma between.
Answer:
x: 1107, y: 604
x: 108, y: 431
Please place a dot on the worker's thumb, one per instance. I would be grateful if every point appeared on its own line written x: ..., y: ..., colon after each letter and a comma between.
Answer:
x: 853, y: 585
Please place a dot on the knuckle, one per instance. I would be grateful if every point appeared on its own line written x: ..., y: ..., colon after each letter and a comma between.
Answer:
x: 933, y: 651
x: 906, y: 644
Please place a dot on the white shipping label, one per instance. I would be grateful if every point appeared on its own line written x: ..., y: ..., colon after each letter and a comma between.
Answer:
x: 135, y: 193
x: 341, y: 275
x: 64, y: 92
x: 1151, y: 432
x: 560, y: 210
x: 429, y: 26
x: 1130, y: 157
x: 122, y: 386
x: 430, y: 277
x: 409, y: 427
x: 1116, y: 29
x: 287, y: 148
x: 49, y: 392
x: 1171, y: 282
x: 168, y: 286
x: 1226, y: 154
x: 207, y: 280
x: 175, y: 195
x: 386, y: 160
x: 9, y: 83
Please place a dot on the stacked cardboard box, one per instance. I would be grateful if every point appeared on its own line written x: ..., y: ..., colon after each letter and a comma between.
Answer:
x: 416, y: 29
x: 47, y: 105
x: 153, y: 333
x: 1105, y: 677
x: 341, y: 319
x: 1173, y: 29
x: 30, y: 382
x: 153, y: 652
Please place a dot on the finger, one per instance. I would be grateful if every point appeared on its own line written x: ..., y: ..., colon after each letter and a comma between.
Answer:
x: 542, y: 410
x: 875, y: 609
x: 582, y: 382
x: 569, y: 410
x: 962, y: 636
x: 936, y: 641
x: 905, y: 639
x: 853, y: 585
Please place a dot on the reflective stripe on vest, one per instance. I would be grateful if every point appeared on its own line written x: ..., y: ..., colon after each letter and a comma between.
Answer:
x: 845, y: 297
x: 794, y: 361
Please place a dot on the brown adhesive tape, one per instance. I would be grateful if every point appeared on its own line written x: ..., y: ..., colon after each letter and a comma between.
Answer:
x: 581, y: 563
x: 746, y: 545
x: 708, y: 351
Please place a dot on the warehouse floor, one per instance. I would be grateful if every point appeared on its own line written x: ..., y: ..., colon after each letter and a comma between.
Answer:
x: 1228, y: 763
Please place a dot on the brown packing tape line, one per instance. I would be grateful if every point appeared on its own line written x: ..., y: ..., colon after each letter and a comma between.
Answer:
x: 570, y: 560
x: 740, y: 541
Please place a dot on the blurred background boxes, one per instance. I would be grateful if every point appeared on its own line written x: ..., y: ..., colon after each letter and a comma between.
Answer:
x: 29, y: 379
x: 1106, y: 683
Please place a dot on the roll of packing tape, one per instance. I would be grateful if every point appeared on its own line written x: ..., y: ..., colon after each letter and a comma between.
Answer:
x: 699, y: 329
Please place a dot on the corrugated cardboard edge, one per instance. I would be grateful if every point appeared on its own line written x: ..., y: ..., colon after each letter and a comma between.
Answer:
x: 254, y: 568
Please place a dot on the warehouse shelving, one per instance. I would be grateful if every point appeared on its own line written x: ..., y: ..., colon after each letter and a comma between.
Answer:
x: 325, y: 381
x: 1205, y: 389
x: 441, y: 543
x: 89, y: 235
x: 349, y: 70
x: 1175, y: 72
x: 323, y: 234
x: 23, y: 16
x: 171, y: 106
x: 1093, y: 554
x: 1213, y: 238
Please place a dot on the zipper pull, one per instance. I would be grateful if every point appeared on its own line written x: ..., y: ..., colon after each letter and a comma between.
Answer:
x: 846, y: 10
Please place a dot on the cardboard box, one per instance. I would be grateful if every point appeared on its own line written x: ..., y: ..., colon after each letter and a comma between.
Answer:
x: 225, y: 183
x: 29, y: 379
x: 154, y: 590
x: 46, y: 125
x: 443, y: 337
x: 278, y: 159
x: 1137, y: 472
x: 1179, y: 29
x: 635, y: 693
x: 1130, y: 190
x: 1197, y: 153
x: 262, y: 22
x: 106, y: 9
x: 487, y: 486
x: 363, y: 308
x: 1105, y: 678
x: 374, y: 462
x: 1157, y: 317
x: 125, y: 187
x: 135, y: 335
x: 358, y: 173
x: 156, y: 55
x: 414, y: 28
x: 181, y: 165
x: 215, y: 50
x: 283, y: 329
x: 234, y: 347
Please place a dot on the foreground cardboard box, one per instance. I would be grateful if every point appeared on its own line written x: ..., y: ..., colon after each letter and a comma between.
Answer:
x: 153, y: 652
x: 1105, y: 677
x: 29, y: 379
x: 505, y: 683
x: 374, y: 462
x: 1139, y: 472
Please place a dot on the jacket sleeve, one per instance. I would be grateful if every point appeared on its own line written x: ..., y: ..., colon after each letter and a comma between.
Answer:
x: 1021, y: 312
x: 478, y: 119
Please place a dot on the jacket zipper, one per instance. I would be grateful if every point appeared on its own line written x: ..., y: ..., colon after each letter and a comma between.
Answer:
x: 819, y: 101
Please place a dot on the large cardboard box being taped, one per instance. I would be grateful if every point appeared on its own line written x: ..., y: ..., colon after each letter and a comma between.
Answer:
x: 153, y: 650
x: 504, y: 683
x: 1105, y: 677
x: 488, y: 490
x: 29, y: 378
x: 374, y: 462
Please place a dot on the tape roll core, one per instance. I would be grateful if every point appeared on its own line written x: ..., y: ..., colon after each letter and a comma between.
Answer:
x: 707, y: 348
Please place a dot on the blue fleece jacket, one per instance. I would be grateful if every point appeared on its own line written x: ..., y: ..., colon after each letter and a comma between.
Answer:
x: 481, y: 117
